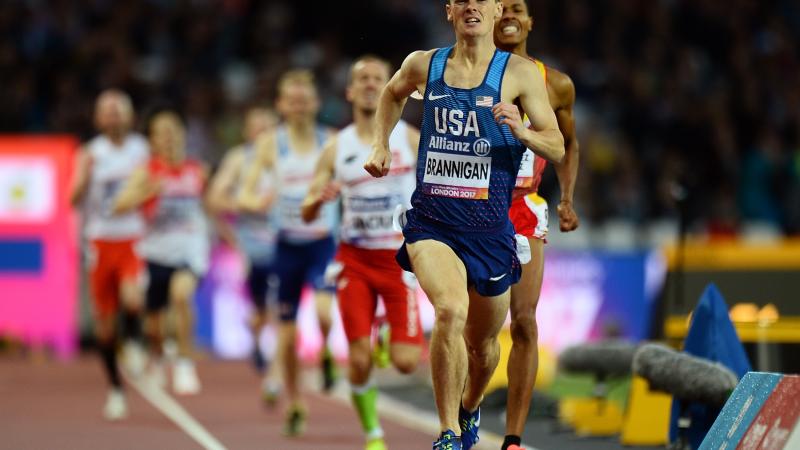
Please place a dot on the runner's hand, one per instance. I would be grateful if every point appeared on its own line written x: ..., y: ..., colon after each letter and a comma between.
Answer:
x: 508, y: 114
x: 330, y: 191
x: 567, y: 218
x: 379, y: 161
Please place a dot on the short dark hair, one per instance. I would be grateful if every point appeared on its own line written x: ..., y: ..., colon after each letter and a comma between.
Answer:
x: 369, y: 57
x: 162, y: 108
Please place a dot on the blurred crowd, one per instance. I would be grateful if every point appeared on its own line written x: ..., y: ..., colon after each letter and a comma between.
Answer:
x: 679, y: 102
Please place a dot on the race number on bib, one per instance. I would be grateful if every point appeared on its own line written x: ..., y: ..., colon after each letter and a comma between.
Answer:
x: 176, y: 213
x: 525, y: 174
x: 110, y: 189
x: 291, y: 216
x: 457, y: 176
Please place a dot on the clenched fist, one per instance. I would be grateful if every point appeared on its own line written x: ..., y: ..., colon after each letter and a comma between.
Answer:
x: 379, y: 161
x: 567, y: 218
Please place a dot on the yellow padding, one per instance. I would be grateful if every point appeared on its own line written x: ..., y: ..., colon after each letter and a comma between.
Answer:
x: 591, y: 416
x: 647, y: 418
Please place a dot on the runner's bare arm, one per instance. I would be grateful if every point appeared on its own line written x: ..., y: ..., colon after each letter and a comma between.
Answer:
x: 411, y: 77
x: 139, y: 188
x: 223, y: 183
x: 567, y: 170
x: 523, y: 81
x: 250, y: 198
x: 83, y: 173
x: 323, y: 188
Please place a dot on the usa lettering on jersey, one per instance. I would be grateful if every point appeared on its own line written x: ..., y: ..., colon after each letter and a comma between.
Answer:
x: 452, y: 121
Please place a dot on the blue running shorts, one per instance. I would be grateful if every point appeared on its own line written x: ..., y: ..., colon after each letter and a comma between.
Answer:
x: 297, y: 264
x: 490, y: 256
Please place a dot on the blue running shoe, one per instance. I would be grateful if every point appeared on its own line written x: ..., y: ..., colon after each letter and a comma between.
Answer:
x: 469, y: 423
x: 447, y: 441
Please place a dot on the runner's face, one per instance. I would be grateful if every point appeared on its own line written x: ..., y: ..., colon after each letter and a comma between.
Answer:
x: 257, y: 122
x: 368, y: 78
x: 112, y: 115
x: 513, y: 26
x: 473, y: 18
x: 298, y: 102
x: 168, y: 137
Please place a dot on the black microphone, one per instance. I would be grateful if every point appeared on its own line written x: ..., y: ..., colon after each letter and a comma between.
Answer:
x: 684, y: 376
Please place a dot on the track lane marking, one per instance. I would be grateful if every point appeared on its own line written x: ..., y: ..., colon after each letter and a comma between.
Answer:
x: 173, y: 410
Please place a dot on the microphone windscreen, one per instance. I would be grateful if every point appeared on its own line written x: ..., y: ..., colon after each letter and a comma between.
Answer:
x: 610, y: 358
x: 684, y: 376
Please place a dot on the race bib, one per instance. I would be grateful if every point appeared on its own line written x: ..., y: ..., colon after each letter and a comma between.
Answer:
x: 370, y: 217
x: 176, y: 213
x: 290, y: 212
x: 525, y: 174
x: 110, y: 189
x: 457, y: 176
x: 291, y: 221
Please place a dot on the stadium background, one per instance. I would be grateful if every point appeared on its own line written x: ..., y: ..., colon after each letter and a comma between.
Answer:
x: 673, y: 97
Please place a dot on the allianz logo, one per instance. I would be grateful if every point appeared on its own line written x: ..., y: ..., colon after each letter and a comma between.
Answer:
x: 480, y: 147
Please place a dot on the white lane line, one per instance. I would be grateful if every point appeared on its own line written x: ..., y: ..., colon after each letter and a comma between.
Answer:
x: 410, y: 416
x: 176, y: 413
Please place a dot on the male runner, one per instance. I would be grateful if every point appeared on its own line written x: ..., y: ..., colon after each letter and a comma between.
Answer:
x: 103, y: 166
x: 369, y: 240
x: 459, y: 240
x: 175, y: 245
x: 304, y: 250
x: 251, y: 234
x: 529, y: 215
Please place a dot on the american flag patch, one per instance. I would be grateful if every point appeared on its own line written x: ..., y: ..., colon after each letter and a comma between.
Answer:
x: 483, y: 100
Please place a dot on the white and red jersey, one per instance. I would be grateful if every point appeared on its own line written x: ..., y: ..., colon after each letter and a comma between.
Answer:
x: 531, y: 167
x: 177, y: 231
x: 112, y: 165
x: 295, y: 172
x: 368, y: 203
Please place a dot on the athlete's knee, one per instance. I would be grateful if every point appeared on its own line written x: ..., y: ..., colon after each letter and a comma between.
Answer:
x: 182, y: 287
x: 131, y: 296
x: 360, y: 363
x: 524, y: 328
x: 404, y: 362
x: 452, y: 314
x: 483, y: 349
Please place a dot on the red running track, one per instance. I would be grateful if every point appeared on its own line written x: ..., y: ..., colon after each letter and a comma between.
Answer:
x: 58, y: 406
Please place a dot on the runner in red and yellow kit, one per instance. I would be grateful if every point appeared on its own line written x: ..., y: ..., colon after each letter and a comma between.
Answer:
x: 529, y: 214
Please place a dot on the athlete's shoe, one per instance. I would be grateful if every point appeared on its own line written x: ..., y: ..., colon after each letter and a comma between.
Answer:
x: 184, y: 378
x: 376, y: 444
x: 270, y: 392
x: 380, y: 355
x: 135, y: 359
x: 329, y: 374
x: 448, y: 441
x: 116, y: 407
x: 469, y: 423
x: 295, y: 422
x: 514, y: 447
x: 156, y: 373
